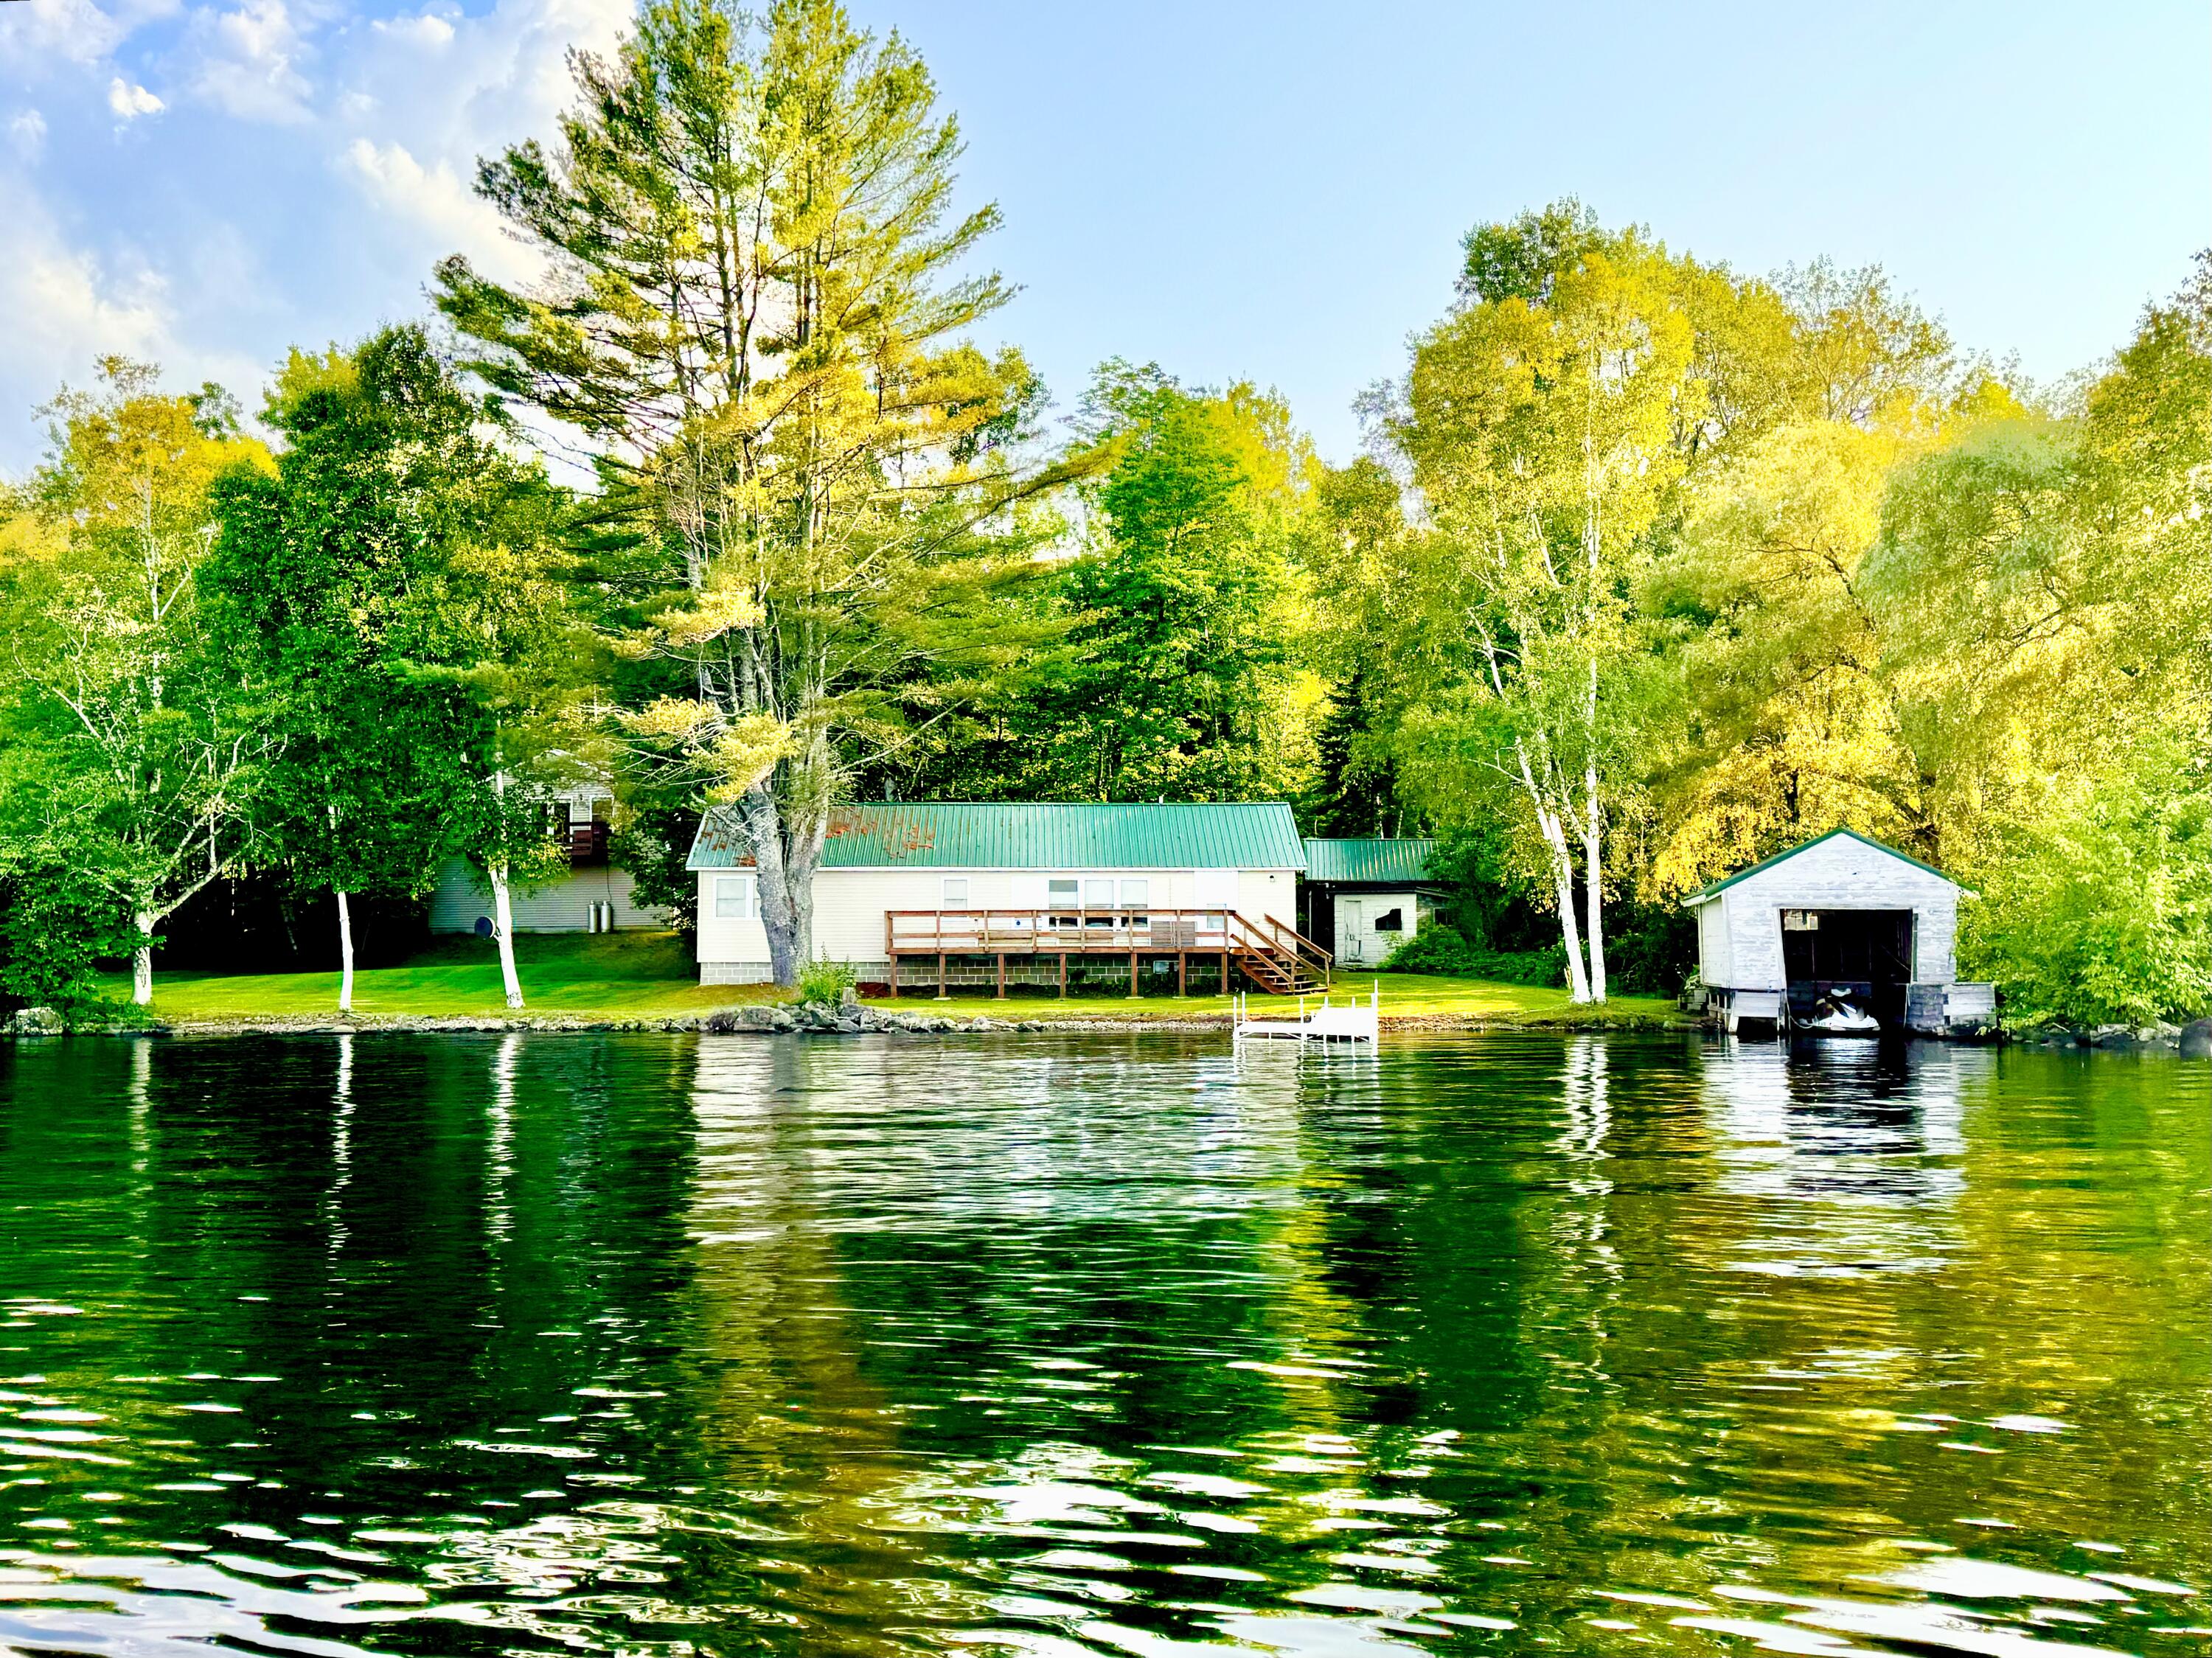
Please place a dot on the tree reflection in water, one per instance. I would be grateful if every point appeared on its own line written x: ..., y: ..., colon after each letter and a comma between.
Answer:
x: 1110, y: 1344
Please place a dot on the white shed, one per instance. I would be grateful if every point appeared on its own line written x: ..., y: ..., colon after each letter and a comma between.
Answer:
x: 1841, y: 912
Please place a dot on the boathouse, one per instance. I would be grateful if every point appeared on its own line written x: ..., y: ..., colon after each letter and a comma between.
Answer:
x: 927, y: 898
x: 1840, y: 912
x: 1363, y: 898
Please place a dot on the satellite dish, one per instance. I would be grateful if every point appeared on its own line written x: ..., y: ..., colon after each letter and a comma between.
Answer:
x: 484, y: 928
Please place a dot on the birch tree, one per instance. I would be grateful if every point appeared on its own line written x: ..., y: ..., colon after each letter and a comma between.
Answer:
x: 124, y: 729
x: 1541, y: 437
x: 753, y: 317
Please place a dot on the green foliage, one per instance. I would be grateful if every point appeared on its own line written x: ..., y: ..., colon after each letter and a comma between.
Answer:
x: 124, y: 737
x: 826, y: 981
x: 1168, y: 661
x: 1440, y: 949
x: 2100, y: 911
x: 652, y: 841
x: 60, y: 916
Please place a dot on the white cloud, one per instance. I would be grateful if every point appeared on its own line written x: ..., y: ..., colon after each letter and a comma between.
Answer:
x: 435, y: 200
x: 250, y: 61
x: 27, y: 132
x: 76, y: 31
x: 65, y: 306
x: 129, y: 100
x: 428, y: 30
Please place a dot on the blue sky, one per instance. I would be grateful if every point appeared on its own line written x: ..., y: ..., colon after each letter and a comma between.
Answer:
x: 1267, y: 191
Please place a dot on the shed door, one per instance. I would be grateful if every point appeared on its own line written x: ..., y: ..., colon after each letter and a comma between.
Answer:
x: 1352, y: 934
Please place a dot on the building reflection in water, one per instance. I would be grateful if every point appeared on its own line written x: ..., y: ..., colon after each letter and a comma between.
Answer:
x: 1858, y: 1143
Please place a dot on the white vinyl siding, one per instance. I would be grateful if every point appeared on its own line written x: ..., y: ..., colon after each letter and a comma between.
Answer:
x: 563, y: 906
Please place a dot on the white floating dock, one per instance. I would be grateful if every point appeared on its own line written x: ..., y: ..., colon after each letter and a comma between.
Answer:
x: 1332, y: 1022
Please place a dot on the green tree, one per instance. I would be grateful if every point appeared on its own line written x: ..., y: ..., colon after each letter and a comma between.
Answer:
x: 1545, y: 439
x: 755, y: 314
x: 315, y: 569
x: 131, y: 753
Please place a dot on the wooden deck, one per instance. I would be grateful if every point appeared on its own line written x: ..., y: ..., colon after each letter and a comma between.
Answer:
x: 1273, y: 956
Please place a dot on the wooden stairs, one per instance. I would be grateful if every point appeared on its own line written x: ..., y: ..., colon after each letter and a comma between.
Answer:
x: 1279, y: 974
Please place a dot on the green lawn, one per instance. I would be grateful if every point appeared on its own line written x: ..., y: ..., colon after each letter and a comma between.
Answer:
x: 628, y: 975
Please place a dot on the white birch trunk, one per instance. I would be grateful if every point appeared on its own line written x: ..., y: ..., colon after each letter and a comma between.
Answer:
x: 1562, y: 885
x: 345, y: 955
x: 141, y: 960
x: 1593, y: 877
x: 1563, y: 873
x: 502, y: 928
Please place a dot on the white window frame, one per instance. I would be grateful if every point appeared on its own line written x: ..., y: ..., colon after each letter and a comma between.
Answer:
x: 1097, y: 892
x: 952, y: 892
x: 1137, y: 893
x: 737, y: 898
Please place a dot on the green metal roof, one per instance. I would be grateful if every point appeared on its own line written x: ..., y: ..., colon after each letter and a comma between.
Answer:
x: 1042, y: 834
x: 1369, y: 860
x: 1713, y: 889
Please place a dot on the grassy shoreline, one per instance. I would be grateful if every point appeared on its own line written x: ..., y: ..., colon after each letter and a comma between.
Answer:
x: 624, y: 979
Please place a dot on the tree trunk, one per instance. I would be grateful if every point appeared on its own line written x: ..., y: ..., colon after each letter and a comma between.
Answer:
x: 763, y: 827
x: 345, y: 955
x: 503, y: 919
x: 1563, y: 873
x: 1593, y: 879
x: 141, y: 960
x: 1563, y: 887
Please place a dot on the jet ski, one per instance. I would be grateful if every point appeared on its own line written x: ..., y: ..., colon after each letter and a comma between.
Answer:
x: 1836, y: 1014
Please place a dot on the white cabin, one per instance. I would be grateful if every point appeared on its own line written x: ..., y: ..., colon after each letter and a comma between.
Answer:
x: 593, y: 896
x: 1840, y: 913
x: 920, y: 896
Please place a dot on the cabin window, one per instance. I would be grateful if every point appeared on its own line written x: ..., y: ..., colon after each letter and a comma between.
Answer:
x: 1390, y: 920
x: 1136, y: 894
x: 733, y: 898
x: 1098, y: 893
x: 955, y: 893
x: 1064, y: 894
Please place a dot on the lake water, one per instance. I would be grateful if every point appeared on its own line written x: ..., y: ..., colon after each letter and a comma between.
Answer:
x: 1060, y: 1346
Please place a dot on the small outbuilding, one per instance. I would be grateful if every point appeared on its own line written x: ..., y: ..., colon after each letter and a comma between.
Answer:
x: 1364, y: 897
x: 1839, y: 914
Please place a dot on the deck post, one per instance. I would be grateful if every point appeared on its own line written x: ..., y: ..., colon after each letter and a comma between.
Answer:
x: 894, y: 990
x: 1224, y: 973
x: 1132, y: 975
x: 1002, y: 975
x: 1183, y: 973
x: 1063, y: 975
x: 941, y: 996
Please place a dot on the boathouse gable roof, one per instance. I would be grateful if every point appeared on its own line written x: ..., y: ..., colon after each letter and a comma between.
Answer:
x: 1713, y: 889
x: 1034, y: 835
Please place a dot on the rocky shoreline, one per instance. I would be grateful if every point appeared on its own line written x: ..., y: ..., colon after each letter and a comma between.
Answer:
x: 856, y: 1019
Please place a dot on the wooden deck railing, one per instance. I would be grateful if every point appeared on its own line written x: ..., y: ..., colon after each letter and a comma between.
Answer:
x: 1060, y: 930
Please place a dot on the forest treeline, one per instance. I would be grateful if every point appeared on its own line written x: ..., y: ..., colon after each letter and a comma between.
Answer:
x: 1650, y: 569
